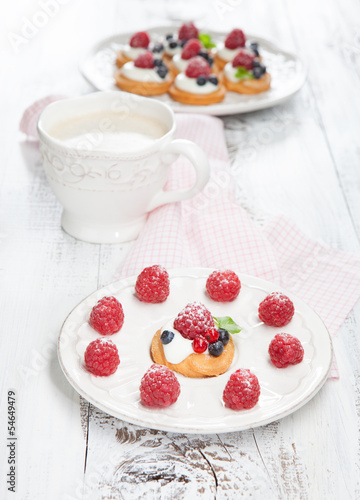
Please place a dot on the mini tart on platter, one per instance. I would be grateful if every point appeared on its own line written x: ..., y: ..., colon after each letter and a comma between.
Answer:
x: 246, y: 74
x: 175, y: 41
x: 197, y: 86
x: 138, y: 44
x: 227, y: 50
x: 192, y: 48
x: 145, y: 76
x: 194, y: 365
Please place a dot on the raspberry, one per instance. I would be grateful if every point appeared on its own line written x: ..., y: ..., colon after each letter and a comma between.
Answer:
x: 197, y: 67
x: 102, y: 357
x: 211, y: 334
x: 200, y: 344
x: 187, y: 31
x: 159, y: 387
x: 223, y: 286
x: 235, y: 39
x: 193, y: 320
x: 242, y: 390
x: 285, y: 350
x: 244, y: 58
x: 140, y: 39
x: 276, y: 309
x: 107, y: 316
x: 153, y: 284
x: 145, y: 60
x: 191, y: 49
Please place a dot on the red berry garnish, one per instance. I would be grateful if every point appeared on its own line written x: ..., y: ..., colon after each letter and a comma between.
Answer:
x: 107, y: 316
x: 235, y: 39
x: 140, y: 40
x: 200, y: 344
x: 223, y: 286
x: 153, y: 284
x: 102, y: 357
x: 197, y: 67
x: 242, y: 390
x: 191, y: 49
x: 193, y: 320
x: 211, y: 335
x: 244, y: 58
x: 285, y: 350
x: 276, y: 309
x: 159, y: 387
x: 187, y: 31
x: 145, y: 60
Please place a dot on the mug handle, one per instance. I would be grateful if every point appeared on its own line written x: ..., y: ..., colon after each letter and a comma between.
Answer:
x: 199, y: 161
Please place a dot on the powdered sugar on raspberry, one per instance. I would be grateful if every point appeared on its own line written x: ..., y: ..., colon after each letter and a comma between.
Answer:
x: 223, y: 286
x: 193, y: 320
x: 242, y: 390
x: 285, y: 350
x: 276, y: 309
x: 159, y: 387
x: 101, y: 357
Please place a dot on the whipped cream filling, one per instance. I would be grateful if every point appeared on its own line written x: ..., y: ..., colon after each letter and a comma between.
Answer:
x: 179, y: 348
x: 129, y: 70
x: 179, y: 63
x: 225, y: 53
x: 183, y: 82
x: 133, y: 52
x: 230, y: 72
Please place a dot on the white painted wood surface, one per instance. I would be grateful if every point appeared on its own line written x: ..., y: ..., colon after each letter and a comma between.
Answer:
x: 301, y: 158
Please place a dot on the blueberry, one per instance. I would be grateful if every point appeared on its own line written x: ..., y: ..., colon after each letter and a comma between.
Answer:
x: 201, y: 80
x: 216, y: 348
x: 162, y: 71
x: 173, y: 45
x: 182, y: 43
x: 258, y: 71
x: 167, y: 336
x: 255, y: 48
x: 213, y: 79
x: 158, y: 47
x: 158, y: 62
x: 169, y: 36
x: 203, y: 54
x: 224, y: 336
x: 210, y: 60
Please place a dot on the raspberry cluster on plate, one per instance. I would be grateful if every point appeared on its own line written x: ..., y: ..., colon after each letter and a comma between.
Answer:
x: 159, y: 386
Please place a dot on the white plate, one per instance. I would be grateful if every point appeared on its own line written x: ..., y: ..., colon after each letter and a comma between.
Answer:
x: 287, y: 71
x: 199, y: 408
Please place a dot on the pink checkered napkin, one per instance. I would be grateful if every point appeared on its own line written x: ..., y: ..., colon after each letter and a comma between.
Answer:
x: 211, y: 230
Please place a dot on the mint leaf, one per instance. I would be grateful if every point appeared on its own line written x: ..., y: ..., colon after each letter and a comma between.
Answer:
x: 227, y: 323
x: 206, y: 40
x: 243, y: 74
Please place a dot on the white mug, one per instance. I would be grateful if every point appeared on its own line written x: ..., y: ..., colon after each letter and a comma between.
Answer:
x: 107, y: 193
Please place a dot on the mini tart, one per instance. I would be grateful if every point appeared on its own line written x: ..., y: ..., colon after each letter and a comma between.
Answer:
x: 249, y: 86
x: 141, y: 88
x: 197, y: 99
x: 195, y: 365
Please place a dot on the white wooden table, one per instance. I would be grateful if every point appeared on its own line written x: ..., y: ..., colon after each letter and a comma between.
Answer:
x: 300, y: 159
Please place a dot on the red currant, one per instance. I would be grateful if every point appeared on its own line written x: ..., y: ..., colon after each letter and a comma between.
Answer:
x: 200, y: 344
